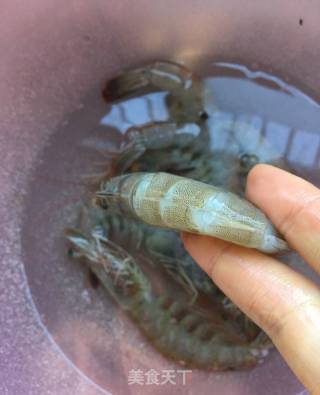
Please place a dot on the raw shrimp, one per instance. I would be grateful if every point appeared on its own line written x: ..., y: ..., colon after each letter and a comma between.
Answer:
x: 221, y: 337
x: 162, y: 246
x: 153, y: 136
x: 170, y: 201
x: 175, y: 328
x: 185, y: 89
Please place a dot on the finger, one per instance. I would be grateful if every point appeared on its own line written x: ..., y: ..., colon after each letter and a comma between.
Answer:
x: 292, y: 204
x: 284, y: 303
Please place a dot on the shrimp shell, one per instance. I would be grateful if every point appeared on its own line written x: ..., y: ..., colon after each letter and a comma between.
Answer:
x: 176, y: 329
x: 179, y: 203
x: 185, y: 90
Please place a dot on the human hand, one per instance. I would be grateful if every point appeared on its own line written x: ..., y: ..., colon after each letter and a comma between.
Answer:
x: 281, y: 301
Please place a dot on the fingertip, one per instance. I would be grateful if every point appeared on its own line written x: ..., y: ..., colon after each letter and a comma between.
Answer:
x: 258, y: 178
x: 265, y: 183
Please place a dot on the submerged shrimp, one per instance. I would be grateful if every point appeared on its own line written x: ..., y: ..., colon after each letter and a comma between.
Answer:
x: 162, y: 246
x: 175, y: 202
x: 185, y: 89
x: 175, y: 328
x: 153, y: 136
x: 184, y: 101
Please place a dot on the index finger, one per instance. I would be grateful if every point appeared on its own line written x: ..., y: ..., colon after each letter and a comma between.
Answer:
x: 292, y: 204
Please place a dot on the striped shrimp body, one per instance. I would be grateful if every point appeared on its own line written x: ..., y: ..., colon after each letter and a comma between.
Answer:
x: 193, y: 338
x: 154, y: 136
x: 170, y: 201
x: 184, y: 101
x: 162, y: 246
x: 185, y: 90
x: 176, y: 329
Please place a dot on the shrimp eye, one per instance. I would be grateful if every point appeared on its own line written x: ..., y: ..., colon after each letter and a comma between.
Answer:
x: 204, y: 115
x: 104, y: 204
x: 93, y: 279
x: 99, y: 202
x: 248, y: 160
x: 132, y: 134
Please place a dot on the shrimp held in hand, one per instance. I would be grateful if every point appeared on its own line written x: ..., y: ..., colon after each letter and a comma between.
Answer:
x: 175, y: 202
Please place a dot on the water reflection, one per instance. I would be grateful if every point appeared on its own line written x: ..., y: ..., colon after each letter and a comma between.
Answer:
x: 273, y: 132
